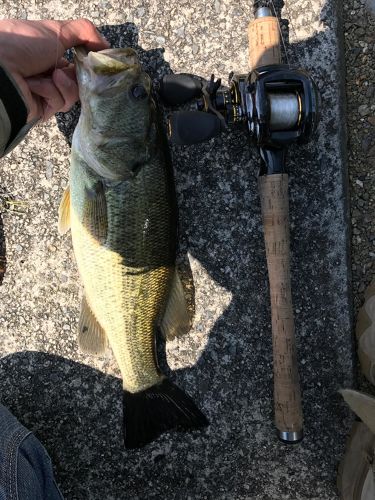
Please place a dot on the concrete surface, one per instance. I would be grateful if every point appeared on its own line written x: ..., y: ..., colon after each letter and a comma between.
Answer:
x: 73, y: 402
x: 359, y: 35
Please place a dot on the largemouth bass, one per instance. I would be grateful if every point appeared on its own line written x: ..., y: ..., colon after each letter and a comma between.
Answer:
x: 122, y: 213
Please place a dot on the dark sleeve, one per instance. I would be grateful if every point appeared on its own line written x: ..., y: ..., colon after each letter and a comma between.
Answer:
x: 13, y: 114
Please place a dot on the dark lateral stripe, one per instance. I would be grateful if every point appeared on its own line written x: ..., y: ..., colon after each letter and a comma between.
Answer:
x: 13, y: 103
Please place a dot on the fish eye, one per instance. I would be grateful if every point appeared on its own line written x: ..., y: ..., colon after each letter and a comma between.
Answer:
x: 138, y: 92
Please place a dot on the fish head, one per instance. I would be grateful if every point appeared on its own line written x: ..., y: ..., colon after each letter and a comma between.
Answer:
x: 117, y: 111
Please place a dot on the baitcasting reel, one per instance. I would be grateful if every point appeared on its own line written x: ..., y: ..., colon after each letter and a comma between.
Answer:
x: 278, y: 104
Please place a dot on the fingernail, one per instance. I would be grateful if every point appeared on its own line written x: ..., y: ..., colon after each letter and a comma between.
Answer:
x: 48, y: 112
x: 103, y: 38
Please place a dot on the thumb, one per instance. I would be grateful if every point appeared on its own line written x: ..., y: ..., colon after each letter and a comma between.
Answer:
x: 81, y: 32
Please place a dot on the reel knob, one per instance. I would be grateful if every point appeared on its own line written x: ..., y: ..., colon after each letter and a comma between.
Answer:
x: 192, y: 127
x: 178, y: 89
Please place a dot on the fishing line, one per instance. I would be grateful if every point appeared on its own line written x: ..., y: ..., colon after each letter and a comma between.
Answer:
x: 280, y: 30
x: 50, y: 163
x: 57, y: 46
x: 53, y: 70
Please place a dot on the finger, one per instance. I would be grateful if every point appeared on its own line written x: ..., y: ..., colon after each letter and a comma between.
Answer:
x: 62, y: 63
x: 81, y: 32
x: 52, y: 100
x: 70, y: 71
x: 64, y: 80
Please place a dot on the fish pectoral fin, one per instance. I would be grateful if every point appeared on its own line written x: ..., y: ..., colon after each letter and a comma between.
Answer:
x: 64, y: 212
x: 95, y: 212
x: 176, y: 321
x: 92, y: 339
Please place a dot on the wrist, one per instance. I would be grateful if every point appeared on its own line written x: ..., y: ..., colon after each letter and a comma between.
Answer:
x: 14, y: 110
x: 25, y: 94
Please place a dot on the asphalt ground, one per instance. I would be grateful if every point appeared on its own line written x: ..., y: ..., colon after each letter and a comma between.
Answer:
x: 72, y: 401
x: 359, y: 37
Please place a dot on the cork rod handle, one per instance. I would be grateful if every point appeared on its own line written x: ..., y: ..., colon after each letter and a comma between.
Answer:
x: 273, y: 191
x: 264, y: 42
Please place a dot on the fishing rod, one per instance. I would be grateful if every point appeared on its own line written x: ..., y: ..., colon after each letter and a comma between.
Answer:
x: 279, y: 106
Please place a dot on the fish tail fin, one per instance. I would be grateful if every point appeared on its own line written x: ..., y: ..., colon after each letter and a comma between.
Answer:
x: 160, y: 408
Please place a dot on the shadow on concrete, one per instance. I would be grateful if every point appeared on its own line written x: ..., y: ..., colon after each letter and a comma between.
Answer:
x: 76, y: 411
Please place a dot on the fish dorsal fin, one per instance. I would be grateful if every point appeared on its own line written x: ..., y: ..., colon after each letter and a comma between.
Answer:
x: 176, y: 320
x: 95, y: 212
x: 92, y: 339
x: 64, y: 212
x: 362, y: 405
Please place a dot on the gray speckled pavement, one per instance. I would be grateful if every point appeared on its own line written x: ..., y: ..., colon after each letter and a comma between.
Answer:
x: 73, y: 402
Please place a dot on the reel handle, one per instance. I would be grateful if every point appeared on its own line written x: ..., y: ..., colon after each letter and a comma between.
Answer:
x: 273, y: 191
x: 178, y: 89
x: 192, y: 127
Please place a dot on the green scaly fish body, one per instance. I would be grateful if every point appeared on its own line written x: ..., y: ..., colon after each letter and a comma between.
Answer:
x: 127, y: 270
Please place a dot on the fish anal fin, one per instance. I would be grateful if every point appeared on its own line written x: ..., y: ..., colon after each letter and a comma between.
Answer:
x: 176, y: 321
x: 64, y: 212
x: 92, y: 339
x: 95, y: 212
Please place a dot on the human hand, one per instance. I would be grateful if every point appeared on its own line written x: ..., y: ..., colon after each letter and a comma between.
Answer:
x: 32, y: 52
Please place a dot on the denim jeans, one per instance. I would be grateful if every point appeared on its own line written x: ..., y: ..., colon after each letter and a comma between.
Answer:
x: 25, y: 467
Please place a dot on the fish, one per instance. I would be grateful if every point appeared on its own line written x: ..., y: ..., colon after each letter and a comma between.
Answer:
x: 121, y: 208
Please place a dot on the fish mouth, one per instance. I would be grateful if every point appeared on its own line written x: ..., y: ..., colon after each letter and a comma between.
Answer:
x: 108, y: 61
